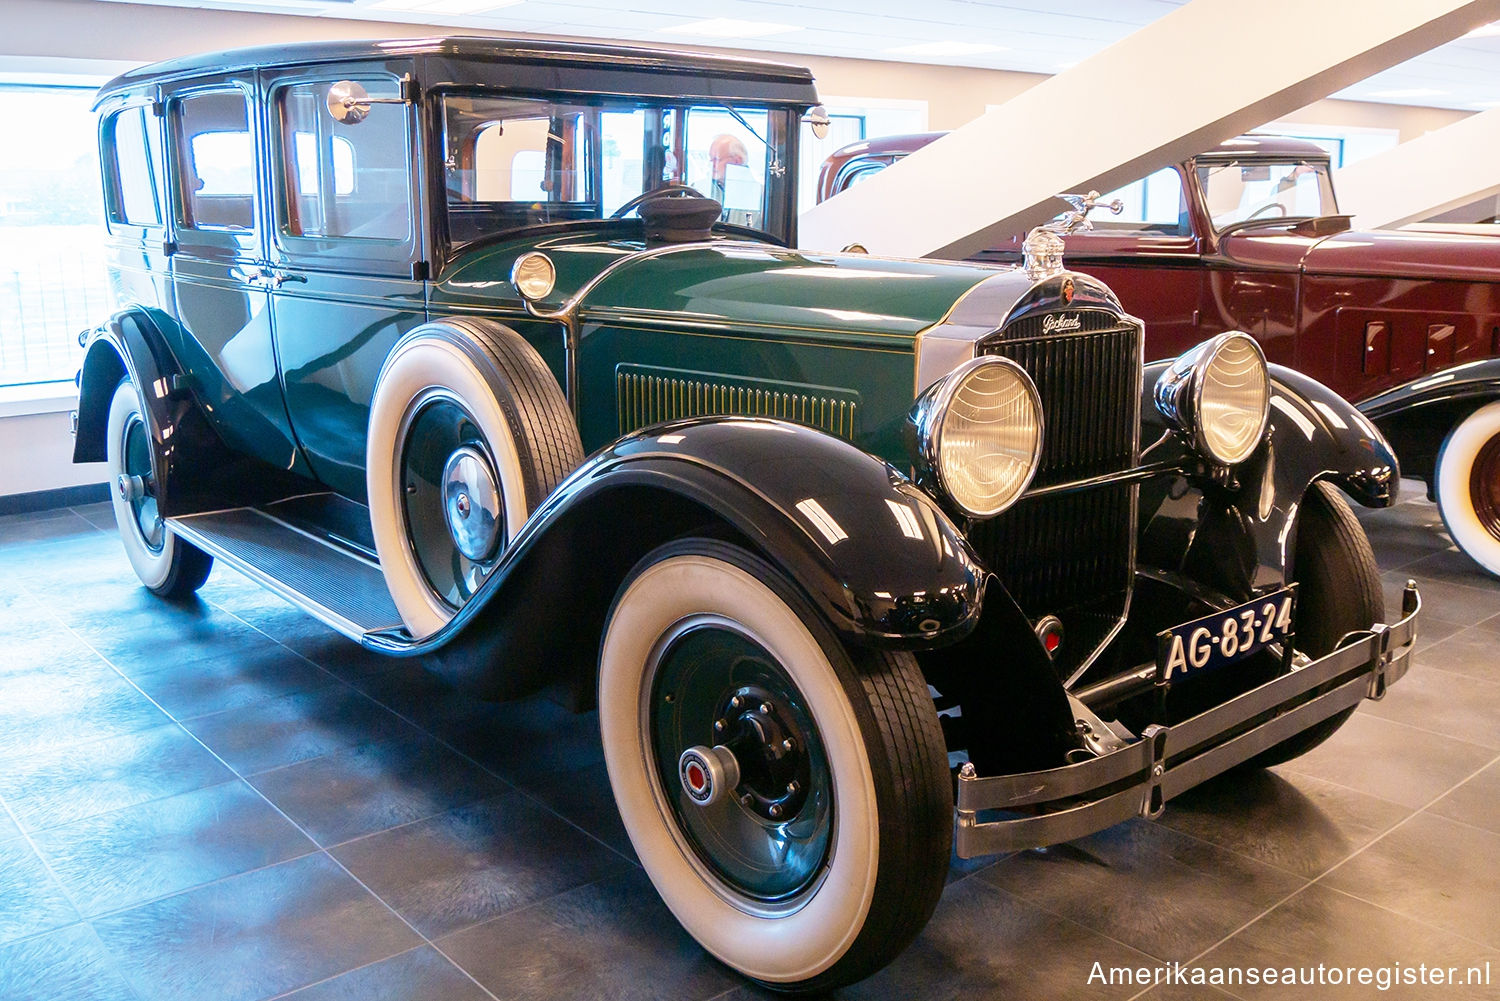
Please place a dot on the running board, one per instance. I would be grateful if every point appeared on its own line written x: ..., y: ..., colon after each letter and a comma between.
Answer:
x: 333, y: 584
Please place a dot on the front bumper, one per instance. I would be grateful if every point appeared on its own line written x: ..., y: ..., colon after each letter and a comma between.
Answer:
x: 1136, y: 780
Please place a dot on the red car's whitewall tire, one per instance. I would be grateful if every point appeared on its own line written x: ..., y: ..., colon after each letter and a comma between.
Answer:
x: 165, y: 564
x: 515, y: 422
x: 889, y: 796
x: 1468, y: 486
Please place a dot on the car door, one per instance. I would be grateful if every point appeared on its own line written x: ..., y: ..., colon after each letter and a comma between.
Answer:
x: 222, y: 306
x: 347, y: 252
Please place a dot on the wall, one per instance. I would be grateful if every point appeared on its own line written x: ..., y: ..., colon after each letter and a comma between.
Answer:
x: 87, y: 38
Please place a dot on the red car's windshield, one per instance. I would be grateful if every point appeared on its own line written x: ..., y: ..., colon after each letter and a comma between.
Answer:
x: 1238, y: 191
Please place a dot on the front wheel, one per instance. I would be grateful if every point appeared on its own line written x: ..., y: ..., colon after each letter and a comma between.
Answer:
x: 1339, y: 593
x: 789, y: 798
x: 165, y: 564
x: 1468, y: 486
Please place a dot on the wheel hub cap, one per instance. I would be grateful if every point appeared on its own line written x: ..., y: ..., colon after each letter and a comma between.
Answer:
x: 708, y: 774
x: 471, y: 503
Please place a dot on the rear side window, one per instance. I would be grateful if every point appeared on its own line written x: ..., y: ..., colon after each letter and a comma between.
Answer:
x: 131, y: 153
x: 344, y: 180
x: 215, y: 161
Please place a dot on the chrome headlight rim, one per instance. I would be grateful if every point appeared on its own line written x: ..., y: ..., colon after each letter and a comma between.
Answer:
x: 933, y: 412
x: 1188, y: 376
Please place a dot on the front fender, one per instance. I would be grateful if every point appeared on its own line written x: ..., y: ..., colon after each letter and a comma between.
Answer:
x: 1236, y: 536
x: 876, y: 556
x: 1418, y: 415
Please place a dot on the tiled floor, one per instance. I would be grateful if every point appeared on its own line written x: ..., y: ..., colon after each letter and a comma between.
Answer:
x: 228, y: 802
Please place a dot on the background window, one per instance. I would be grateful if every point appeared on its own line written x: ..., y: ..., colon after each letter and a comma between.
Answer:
x: 345, y: 180
x: 130, y: 158
x: 52, y: 280
x: 215, y: 161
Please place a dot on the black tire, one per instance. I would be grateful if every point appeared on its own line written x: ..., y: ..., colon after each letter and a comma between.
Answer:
x: 168, y: 566
x: 1339, y: 594
x: 869, y: 714
x: 459, y: 384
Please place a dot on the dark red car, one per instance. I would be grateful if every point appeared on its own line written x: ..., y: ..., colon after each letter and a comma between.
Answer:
x: 1248, y: 236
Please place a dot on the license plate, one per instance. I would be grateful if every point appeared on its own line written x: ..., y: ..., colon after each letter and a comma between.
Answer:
x: 1224, y: 637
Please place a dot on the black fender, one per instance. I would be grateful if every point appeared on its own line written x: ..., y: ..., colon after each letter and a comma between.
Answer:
x: 1234, y: 533
x: 1417, y: 416
x: 195, y: 470
x: 875, y: 555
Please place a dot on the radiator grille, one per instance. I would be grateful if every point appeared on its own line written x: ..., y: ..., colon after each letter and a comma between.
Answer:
x: 650, y: 396
x: 1072, y: 554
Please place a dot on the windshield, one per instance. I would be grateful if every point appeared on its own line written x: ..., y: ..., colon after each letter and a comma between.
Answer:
x: 1241, y: 190
x: 512, y: 162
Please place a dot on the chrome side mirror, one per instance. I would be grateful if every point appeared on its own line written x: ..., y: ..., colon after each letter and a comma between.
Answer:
x: 817, y: 117
x: 349, y: 102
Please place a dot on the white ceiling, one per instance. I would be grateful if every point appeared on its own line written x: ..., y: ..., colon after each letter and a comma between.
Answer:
x: 1038, y: 36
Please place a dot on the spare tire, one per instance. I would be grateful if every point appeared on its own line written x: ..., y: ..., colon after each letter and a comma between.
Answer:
x: 469, y: 432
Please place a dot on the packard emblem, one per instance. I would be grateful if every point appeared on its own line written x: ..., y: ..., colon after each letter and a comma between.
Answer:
x: 1067, y: 291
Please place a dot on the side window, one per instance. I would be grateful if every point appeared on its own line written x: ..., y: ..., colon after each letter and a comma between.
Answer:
x: 1154, y: 206
x: 130, y: 155
x: 343, y: 180
x: 215, y: 161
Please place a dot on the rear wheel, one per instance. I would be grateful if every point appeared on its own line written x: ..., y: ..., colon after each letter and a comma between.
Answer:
x: 1339, y: 594
x: 790, y: 799
x: 166, y: 565
x: 1468, y: 486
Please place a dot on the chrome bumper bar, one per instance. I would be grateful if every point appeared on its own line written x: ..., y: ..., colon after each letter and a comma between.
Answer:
x: 1136, y: 780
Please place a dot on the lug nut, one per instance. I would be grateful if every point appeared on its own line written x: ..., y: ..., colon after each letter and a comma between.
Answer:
x: 746, y: 800
x: 787, y: 745
x: 736, y: 702
x: 765, y: 708
x: 718, y: 726
x: 792, y: 787
x: 775, y: 809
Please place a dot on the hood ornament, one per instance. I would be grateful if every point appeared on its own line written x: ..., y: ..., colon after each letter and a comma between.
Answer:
x: 1043, y: 248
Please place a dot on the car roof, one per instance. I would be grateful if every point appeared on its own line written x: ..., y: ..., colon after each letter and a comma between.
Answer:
x: 1267, y: 145
x: 780, y: 80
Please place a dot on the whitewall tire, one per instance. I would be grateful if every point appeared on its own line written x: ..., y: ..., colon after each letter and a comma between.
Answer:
x: 468, y: 433
x: 1468, y: 486
x: 165, y: 564
x: 803, y: 890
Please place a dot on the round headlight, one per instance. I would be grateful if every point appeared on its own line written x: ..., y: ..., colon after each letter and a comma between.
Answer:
x: 533, y: 276
x: 1220, y: 393
x: 980, y: 434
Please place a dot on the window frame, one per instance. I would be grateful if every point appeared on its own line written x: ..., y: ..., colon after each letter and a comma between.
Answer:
x: 217, y: 242
x: 359, y: 255
x: 115, y: 221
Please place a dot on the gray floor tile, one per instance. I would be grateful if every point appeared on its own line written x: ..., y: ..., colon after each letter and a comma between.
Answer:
x: 613, y: 940
x: 1390, y: 760
x: 120, y: 859
x: 1293, y: 822
x: 419, y: 975
x: 60, y: 787
x: 1441, y: 701
x: 1433, y: 870
x: 983, y: 943
x: 476, y: 862
x: 254, y: 936
x: 43, y: 526
x: 1321, y: 926
x: 57, y: 705
x: 65, y: 965
x: 1476, y: 802
x: 1156, y: 890
x: 352, y: 793
x: 31, y: 901
x: 218, y: 684
x: 293, y: 728
x: 583, y: 796
x: 1472, y: 652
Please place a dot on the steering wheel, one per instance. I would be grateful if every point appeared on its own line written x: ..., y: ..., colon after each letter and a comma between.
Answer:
x: 1264, y: 209
x: 673, y: 188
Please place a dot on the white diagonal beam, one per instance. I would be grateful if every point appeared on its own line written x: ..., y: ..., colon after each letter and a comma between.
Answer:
x: 1166, y: 92
x: 1441, y: 170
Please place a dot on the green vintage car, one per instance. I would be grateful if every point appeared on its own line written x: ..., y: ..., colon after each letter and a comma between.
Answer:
x: 503, y: 354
